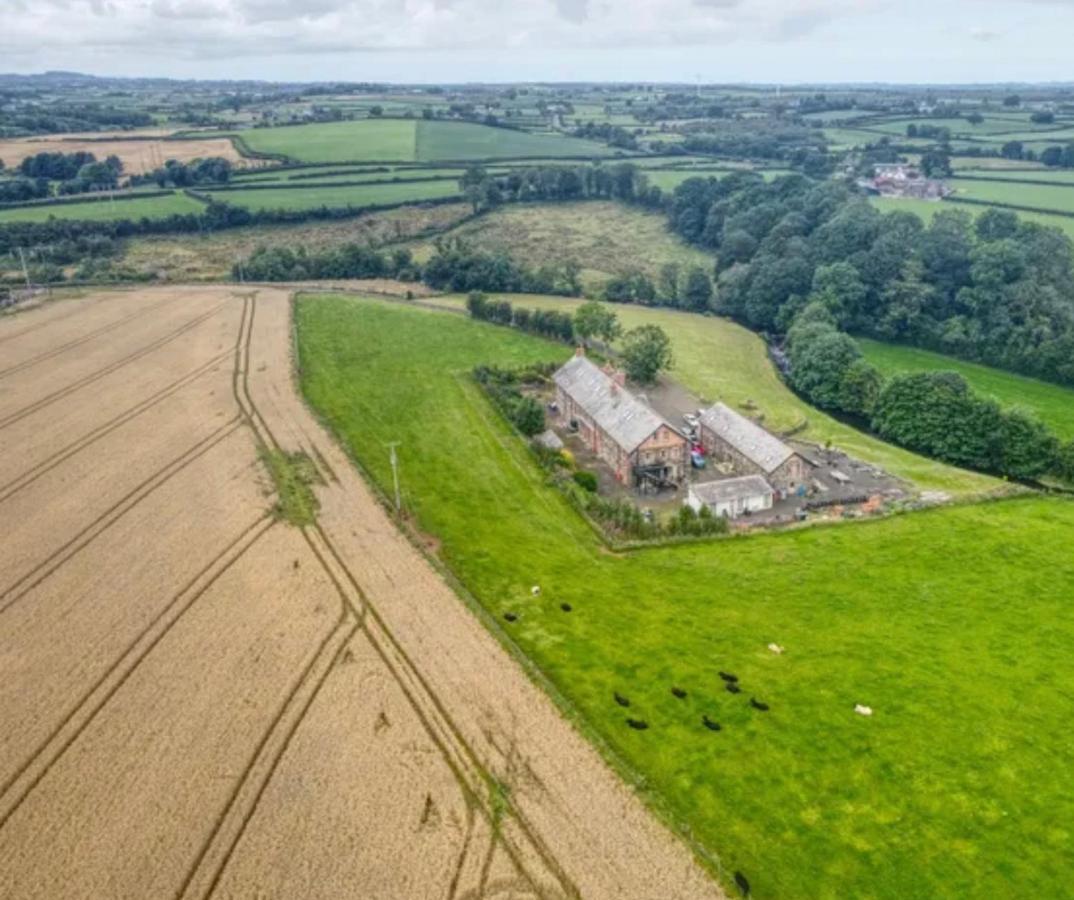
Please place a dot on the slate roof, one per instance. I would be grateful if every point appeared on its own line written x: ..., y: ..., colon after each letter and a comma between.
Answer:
x: 621, y: 415
x: 749, y: 439
x: 710, y: 492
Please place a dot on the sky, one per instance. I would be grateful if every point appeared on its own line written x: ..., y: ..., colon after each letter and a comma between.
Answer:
x: 420, y: 41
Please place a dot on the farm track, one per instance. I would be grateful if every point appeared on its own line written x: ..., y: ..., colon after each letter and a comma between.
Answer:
x: 81, y: 782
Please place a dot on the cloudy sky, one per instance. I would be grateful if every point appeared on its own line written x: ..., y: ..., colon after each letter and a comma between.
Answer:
x: 770, y: 41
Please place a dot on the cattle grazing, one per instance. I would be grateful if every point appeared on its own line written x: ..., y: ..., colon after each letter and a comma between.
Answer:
x: 620, y: 699
x: 728, y: 676
x: 679, y: 692
x: 757, y: 704
x: 637, y: 724
x: 733, y: 687
x: 510, y: 616
x: 709, y: 724
x: 743, y: 884
x: 566, y: 607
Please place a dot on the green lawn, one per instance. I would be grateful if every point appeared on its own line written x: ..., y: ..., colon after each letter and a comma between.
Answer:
x: 926, y: 209
x: 720, y: 360
x: 369, y: 139
x: 106, y: 210
x: 331, y: 196
x: 1038, y: 196
x: 461, y: 140
x: 1052, y: 403
x: 953, y: 625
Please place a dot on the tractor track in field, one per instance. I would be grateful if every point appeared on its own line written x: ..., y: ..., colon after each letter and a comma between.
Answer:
x: 80, y: 383
x: 51, y: 563
x: 467, y: 770
x: 105, y: 687
x: 146, y: 403
x: 83, y: 339
x: 470, y: 773
x: 78, y: 310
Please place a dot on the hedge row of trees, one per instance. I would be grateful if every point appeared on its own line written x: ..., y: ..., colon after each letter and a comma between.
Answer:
x: 935, y: 413
x: 590, y: 181
x: 996, y: 290
x: 459, y: 266
x: 347, y: 261
x: 547, y: 323
x: 211, y: 170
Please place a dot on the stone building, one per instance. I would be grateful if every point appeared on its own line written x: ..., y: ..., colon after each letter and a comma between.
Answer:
x: 728, y: 436
x: 622, y: 430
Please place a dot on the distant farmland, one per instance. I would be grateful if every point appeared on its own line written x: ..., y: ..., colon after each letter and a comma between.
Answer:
x: 410, y: 140
x: 334, y: 196
x: 105, y: 210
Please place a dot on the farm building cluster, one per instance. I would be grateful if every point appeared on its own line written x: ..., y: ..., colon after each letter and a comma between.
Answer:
x: 901, y: 180
x: 751, y: 469
x: 716, y: 458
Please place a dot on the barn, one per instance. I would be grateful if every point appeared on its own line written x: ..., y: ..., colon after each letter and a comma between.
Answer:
x: 622, y: 430
x: 730, y: 437
x: 732, y: 497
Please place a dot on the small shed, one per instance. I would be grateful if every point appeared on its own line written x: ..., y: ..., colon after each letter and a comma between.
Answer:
x: 732, y: 497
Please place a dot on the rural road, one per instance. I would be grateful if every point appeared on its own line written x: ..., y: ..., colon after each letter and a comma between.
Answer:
x: 200, y: 701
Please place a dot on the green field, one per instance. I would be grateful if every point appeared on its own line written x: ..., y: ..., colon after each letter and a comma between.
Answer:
x: 1052, y: 403
x: 1038, y: 196
x: 105, y: 210
x: 322, y: 174
x: 720, y: 360
x: 1056, y: 176
x: 926, y: 209
x: 335, y: 197
x: 410, y: 140
x: 372, y: 139
x: 953, y: 625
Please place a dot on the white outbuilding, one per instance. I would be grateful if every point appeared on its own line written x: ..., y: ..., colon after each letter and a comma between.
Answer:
x: 732, y: 497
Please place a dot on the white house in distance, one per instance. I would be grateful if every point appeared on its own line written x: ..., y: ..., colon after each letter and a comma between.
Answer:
x: 732, y: 497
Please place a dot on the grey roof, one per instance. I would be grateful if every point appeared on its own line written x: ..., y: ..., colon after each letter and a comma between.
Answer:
x: 748, y: 438
x: 710, y: 492
x: 625, y: 418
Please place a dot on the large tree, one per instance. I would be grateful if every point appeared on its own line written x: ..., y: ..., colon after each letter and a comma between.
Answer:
x: 595, y: 320
x: 646, y: 352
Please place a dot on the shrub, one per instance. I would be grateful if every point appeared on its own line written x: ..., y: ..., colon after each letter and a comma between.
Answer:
x: 586, y: 480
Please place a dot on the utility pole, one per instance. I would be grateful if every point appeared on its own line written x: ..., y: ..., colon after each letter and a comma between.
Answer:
x: 395, y: 476
x: 25, y: 271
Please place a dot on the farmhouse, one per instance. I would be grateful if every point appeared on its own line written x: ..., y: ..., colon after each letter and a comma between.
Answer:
x: 732, y: 497
x: 620, y: 429
x: 900, y: 180
x: 731, y: 437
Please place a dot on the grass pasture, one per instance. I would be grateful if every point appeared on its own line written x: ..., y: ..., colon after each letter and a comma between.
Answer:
x: 953, y: 625
x: 411, y: 140
x: 926, y: 209
x: 1017, y: 193
x: 105, y: 210
x: 293, y: 196
x: 1053, y: 403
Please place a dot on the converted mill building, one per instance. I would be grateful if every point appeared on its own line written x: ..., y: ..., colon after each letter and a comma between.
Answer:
x: 624, y: 431
x: 730, y: 437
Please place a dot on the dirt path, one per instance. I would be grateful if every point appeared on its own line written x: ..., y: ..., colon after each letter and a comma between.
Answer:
x: 200, y: 701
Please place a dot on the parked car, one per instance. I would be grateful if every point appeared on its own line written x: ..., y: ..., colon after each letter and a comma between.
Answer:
x: 697, y: 460
x: 691, y: 420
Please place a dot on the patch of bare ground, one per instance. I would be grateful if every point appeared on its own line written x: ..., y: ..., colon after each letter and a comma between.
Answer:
x: 210, y: 257
x: 200, y: 700
x: 139, y: 154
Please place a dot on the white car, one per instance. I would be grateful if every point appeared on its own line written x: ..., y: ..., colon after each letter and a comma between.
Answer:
x: 691, y: 420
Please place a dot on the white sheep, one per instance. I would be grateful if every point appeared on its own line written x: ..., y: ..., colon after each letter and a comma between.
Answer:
x: 535, y: 590
x: 863, y: 710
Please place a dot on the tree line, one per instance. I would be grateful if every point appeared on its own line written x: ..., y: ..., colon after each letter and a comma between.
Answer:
x: 996, y: 290
x: 935, y: 413
x: 75, y: 173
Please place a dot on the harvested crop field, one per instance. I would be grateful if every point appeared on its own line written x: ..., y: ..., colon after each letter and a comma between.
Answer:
x: 202, y: 699
x: 138, y: 155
